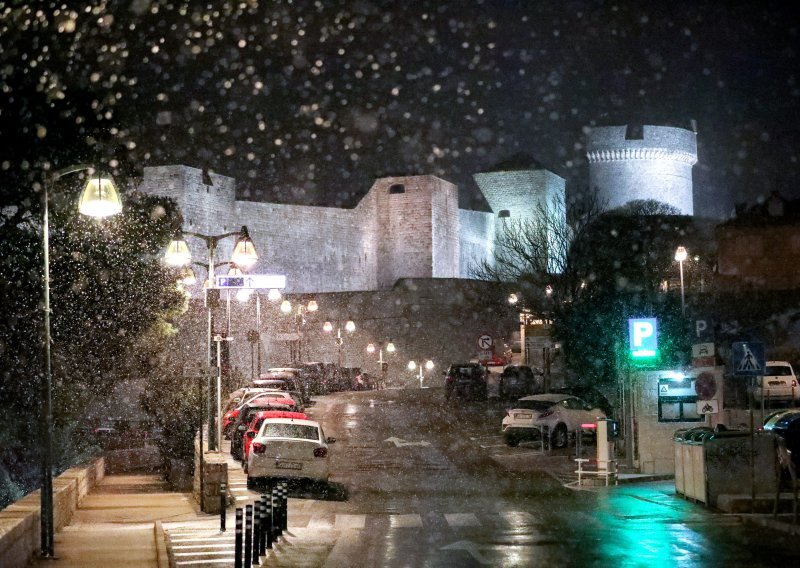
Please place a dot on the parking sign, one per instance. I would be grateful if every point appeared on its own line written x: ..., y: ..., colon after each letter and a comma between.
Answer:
x: 643, y: 337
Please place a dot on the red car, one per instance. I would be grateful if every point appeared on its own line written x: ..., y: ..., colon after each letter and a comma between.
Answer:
x: 233, y: 413
x: 255, y: 425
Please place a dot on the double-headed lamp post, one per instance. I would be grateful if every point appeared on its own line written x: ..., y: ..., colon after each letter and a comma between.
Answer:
x: 244, y: 256
x: 681, y: 255
x: 412, y: 366
x: 384, y: 366
x: 349, y: 327
x: 299, y: 320
x: 99, y: 199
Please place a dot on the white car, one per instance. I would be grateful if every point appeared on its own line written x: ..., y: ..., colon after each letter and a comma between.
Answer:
x: 778, y: 383
x: 285, y: 447
x: 559, y: 414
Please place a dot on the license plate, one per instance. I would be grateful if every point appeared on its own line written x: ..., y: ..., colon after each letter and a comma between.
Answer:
x: 523, y: 415
x: 776, y: 383
x: 289, y: 465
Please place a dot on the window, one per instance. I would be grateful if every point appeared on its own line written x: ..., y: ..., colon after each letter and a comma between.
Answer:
x: 396, y: 188
x: 504, y: 214
x: 678, y: 409
x: 298, y: 431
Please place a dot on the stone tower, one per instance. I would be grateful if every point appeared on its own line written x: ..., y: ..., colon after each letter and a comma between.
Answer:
x: 628, y: 163
x: 520, y: 193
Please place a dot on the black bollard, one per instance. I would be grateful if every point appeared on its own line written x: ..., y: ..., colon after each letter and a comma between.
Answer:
x: 276, y: 513
x: 238, y: 546
x: 223, y: 502
x: 256, y: 531
x: 262, y: 540
x: 285, y: 494
x: 248, y: 535
x: 270, y: 531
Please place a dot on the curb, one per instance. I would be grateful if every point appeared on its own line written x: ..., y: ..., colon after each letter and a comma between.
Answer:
x: 771, y: 523
x: 162, y: 557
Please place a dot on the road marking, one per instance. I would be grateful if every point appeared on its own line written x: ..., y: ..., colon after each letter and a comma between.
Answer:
x: 405, y: 521
x: 399, y: 442
x: 320, y: 521
x: 231, y: 550
x: 462, y: 520
x: 350, y: 521
x: 223, y: 561
x: 471, y: 548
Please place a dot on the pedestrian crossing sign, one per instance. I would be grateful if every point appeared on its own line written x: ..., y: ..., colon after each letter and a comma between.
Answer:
x: 748, y: 358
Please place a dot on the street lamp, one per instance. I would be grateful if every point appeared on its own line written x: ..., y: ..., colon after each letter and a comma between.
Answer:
x: 349, y: 327
x: 680, y: 256
x: 244, y: 256
x: 384, y: 366
x: 299, y: 320
x: 412, y: 366
x: 99, y: 199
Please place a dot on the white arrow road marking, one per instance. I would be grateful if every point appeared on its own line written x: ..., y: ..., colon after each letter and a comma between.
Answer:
x: 470, y: 547
x: 399, y: 442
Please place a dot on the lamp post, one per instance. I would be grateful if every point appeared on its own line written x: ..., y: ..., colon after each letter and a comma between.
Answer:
x: 680, y: 256
x: 384, y: 366
x: 299, y: 320
x: 99, y: 199
x: 244, y: 255
x: 349, y: 327
x: 412, y: 365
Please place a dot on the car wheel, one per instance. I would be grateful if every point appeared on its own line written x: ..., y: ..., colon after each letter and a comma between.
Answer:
x: 559, y: 437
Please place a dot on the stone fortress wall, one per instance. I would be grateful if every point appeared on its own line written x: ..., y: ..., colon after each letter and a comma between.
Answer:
x: 627, y: 163
x: 411, y: 226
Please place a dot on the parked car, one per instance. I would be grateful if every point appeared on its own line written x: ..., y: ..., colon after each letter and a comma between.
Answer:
x: 246, y: 414
x: 466, y: 379
x: 289, y: 448
x: 313, y: 375
x: 779, y: 383
x: 786, y: 424
x: 233, y: 408
x: 519, y: 380
x: 365, y: 381
x: 590, y: 395
x: 283, y: 380
x: 255, y: 425
x: 559, y: 413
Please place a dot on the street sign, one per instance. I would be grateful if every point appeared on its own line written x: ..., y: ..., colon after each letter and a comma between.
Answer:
x: 705, y: 385
x: 748, y: 358
x: 252, y: 281
x: 702, y: 350
x: 703, y: 329
x: 485, y: 341
x: 643, y: 337
x: 708, y: 406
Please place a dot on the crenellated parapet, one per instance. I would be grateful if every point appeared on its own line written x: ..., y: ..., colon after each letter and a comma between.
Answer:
x: 620, y: 154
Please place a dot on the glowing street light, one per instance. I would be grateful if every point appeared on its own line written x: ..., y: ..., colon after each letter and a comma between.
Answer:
x: 681, y: 255
x: 98, y: 199
x: 349, y: 326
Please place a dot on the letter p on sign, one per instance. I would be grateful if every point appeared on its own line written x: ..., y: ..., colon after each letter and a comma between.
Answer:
x: 643, y: 334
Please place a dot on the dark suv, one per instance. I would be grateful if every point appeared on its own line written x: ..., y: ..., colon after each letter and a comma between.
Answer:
x: 466, y: 379
x: 517, y: 381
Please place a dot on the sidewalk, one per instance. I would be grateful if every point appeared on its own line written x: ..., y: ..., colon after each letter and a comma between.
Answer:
x: 119, y: 524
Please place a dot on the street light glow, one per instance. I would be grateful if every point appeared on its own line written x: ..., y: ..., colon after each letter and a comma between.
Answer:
x: 244, y: 253
x: 513, y: 299
x: 188, y: 277
x: 327, y: 327
x: 274, y: 295
x: 286, y: 306
x: 390, y: 347
x: 312, y: 306
x: 177, y: 253
x: 681, y: 254
x: 370, y: 348
x: 429, y: 364
x: 350, y: 326
x: 100, y: 198
x: 412, y: 365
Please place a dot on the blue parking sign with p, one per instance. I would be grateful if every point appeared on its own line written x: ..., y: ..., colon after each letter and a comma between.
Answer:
x: 643, y: 337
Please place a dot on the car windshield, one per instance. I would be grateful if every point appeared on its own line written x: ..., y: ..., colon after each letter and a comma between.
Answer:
x: 466, y: 371
x: 778, y: 371
x: 280, y: 430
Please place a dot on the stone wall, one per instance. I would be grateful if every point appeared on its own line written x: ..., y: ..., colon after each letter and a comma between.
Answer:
x: 476, y: 240
x: 20, y: 521
x: 653, y: 163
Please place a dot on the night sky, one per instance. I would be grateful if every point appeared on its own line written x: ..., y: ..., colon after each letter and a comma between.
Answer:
x: 308, y: 102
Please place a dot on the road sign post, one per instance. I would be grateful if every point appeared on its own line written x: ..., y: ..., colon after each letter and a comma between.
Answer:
x: 748, y: 360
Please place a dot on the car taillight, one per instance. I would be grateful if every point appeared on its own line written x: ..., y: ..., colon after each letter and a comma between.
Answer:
x: 794, y: 383
x: 259, y: 448
x: 450, y: 378
x: 320, y: 452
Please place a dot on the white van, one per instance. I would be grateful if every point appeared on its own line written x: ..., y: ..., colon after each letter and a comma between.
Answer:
x: 779, y: 383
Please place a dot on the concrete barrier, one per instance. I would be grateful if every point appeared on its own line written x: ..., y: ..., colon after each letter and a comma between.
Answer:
x: 19, y: 522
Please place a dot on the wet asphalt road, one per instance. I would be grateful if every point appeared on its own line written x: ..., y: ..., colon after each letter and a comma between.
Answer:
x: 419, y: 490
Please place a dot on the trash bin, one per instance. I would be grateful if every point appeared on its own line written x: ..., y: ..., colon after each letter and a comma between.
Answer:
x: 690, y: 475
x: 679, y: 439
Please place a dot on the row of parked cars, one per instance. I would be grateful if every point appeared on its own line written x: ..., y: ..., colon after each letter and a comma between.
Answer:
x: 534, y: 413
x: 270, y: 432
